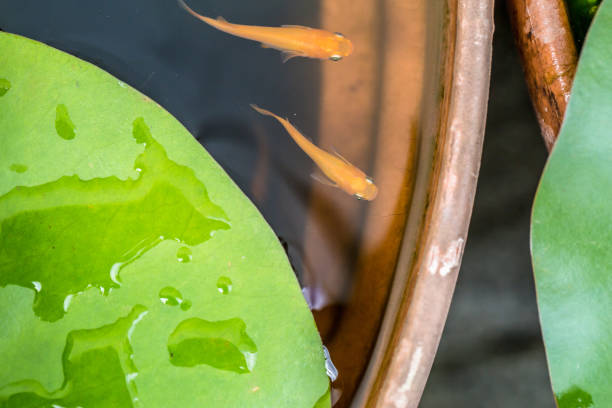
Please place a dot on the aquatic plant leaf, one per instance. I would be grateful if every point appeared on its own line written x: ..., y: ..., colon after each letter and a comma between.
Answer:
x: 116, y: 228
x: 571, y: 233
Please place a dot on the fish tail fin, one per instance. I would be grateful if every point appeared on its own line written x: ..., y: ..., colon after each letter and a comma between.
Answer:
x: 282, y: 121
x: 199, y: 16
x: 187, y: 8
x: 263, y: 111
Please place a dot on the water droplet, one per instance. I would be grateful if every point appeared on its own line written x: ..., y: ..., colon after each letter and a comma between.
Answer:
x: 5, y: 85
x: 114, y: 273
x: 99, y: 370
x: 67, y: 302
x: 224, y: 285
x: 170, y: 296
x: 223, y: 344
x: 18, y: 168
x: 63, y: 124
x: 165, y: 200
x: 183, y: 254
x: 186, y: 305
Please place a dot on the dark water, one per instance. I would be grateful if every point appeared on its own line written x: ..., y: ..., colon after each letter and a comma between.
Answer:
x: 207, y: 79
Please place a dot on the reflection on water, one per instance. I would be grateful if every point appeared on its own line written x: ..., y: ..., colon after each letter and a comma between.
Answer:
x: 332, y: 371
x: 316, y: 297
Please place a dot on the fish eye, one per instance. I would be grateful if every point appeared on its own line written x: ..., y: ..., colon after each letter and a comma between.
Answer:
x: 339, y: 35
x: 369, y: 180
x: 335, y: 57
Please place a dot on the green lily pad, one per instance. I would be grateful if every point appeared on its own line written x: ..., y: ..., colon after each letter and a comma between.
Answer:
x: 112, y: 247
x: 571, y: 233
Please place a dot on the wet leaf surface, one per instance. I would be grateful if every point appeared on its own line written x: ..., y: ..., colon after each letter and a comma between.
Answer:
x: 572, y: 233
x: 116, y: 228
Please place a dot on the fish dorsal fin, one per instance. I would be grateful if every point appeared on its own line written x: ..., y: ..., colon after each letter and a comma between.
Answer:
x: 340, y: 156
x: 287, y: 55
x: 296, y: 26
x: 221, y: 19
x: 323, y: 180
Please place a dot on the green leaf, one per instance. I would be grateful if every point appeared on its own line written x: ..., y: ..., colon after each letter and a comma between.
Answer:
x: 133, y: 272
x: 571, y: 233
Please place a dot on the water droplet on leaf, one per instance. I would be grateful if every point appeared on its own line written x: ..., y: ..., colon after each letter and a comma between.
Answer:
x: 5, y: 85
x: 18, y: 168
x: 172, y: 297
x: 63, y: 124
x: 223, y: 344
x: 224, y: 285
x: 183, y: 255
x: 185, y: 305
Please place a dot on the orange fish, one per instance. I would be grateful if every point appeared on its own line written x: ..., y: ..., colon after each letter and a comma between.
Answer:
x: 291, y: 40
x: 341, y: 173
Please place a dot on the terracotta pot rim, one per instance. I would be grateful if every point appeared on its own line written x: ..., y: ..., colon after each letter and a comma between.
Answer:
x: 426, y: 272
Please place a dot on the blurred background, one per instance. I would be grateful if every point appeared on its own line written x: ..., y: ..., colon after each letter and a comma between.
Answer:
x: 491, y: 353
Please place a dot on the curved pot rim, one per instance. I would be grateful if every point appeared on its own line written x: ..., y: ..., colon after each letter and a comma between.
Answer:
x: 425, y: 276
